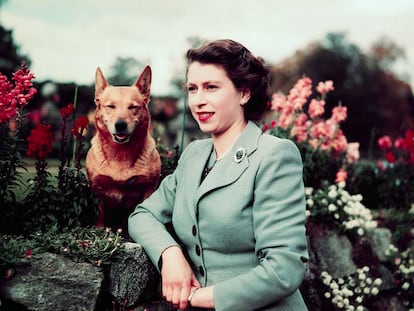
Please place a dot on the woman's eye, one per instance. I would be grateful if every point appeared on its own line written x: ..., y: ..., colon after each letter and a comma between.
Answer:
x: 211, y: 86
x: 190, y: 88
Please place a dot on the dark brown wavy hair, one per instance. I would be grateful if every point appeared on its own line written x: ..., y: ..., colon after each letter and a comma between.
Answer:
x: 245, y: 70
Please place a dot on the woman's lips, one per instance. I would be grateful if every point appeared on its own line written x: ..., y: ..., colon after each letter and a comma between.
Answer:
x: 204, y: 116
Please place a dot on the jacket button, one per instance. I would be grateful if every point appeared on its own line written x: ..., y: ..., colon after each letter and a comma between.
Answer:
x: 194, y: 230
x: 198, y: 250
x: 201, y: 270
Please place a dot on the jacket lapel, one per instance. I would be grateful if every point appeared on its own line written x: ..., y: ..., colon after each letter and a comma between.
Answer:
x: 229, y: 169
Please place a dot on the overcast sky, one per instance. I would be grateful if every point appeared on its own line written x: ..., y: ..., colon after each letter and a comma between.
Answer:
x: 67, y: 40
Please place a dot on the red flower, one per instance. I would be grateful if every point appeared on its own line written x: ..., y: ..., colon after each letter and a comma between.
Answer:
x: 40, y: 141
x: 28, y: 253
x: 79, y: 126
x: 390, y: 157
x: 17, y: 94
x: 67, y: 111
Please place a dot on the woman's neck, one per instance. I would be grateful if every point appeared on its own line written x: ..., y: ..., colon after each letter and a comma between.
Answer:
x: 224, y: 141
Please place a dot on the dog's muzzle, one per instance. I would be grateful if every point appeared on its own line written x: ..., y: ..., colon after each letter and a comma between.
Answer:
x: 121, y: 135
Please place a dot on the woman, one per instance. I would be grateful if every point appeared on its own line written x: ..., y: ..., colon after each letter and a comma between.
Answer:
x: 236, y: 200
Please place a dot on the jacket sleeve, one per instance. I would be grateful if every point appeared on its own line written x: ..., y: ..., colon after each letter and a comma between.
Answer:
x: 146, y: 225
x: 279, y: 227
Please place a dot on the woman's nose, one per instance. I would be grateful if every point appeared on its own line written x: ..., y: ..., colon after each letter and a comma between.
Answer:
x: 197, y: 99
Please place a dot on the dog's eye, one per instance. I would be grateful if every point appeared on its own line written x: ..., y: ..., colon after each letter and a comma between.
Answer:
x: 133, y: 107
x: 110, y: 106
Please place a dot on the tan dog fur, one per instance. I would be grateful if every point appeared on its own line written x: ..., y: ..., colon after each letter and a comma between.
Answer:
x: 123, y: 164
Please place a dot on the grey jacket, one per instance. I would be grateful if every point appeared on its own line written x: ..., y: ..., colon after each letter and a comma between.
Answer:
x: 242, y: 227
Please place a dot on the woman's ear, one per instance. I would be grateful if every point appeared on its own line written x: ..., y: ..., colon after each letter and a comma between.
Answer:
x: 244, y: 96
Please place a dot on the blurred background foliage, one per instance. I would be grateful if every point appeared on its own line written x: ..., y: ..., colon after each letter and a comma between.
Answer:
x: 379, y: 101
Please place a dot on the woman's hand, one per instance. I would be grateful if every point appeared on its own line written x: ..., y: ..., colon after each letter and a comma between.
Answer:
x: 177, y: 277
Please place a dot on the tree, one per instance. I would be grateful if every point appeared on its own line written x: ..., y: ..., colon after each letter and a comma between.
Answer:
x: 125, y: 71
x: 10, y: 58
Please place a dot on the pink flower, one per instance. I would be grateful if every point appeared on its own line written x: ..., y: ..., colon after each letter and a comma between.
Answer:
x: 285, y: 120
x: 341, y: 176
x: 300, y: 132
x: 316, y: 108
x: 380, y: 165
x: 339, y: 144
x: 385, y: 142
x: 278, y: 102
x: 301, y: 119
x: 352, y: 152
x: 339, y: 113
x: 325, y: 87
x: 273, y: 123
x: 300, y: 92
x: 399, y: 143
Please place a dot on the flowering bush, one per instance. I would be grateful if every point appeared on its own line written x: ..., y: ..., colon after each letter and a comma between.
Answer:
x: 404, y: 276
x: 14, y: 96
x: 64, y: 200
x: 400, y: 150
x: 335, y: 205
x: 350, y: 292
x: 324, y: 147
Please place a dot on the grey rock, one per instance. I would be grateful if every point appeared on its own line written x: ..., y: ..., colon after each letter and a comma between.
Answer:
x: 380, y: 240
x: 130, y: 275
x: 53, y: 282
x: 333, y: 253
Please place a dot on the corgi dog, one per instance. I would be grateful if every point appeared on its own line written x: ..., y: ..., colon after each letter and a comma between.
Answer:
x: 123, y: 164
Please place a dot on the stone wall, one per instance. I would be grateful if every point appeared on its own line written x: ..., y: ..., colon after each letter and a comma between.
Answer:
x: 53, y: 282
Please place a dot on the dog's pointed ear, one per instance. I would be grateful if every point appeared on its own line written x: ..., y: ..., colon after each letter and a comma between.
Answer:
x: 100, y: 84
x: 143, y: 83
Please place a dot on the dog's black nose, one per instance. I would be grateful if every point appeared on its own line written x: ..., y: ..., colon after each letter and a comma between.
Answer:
x: 121, y: 126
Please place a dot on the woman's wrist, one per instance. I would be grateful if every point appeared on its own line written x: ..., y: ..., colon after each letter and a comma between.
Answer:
x: 201, y: 297
x: 192, y: 293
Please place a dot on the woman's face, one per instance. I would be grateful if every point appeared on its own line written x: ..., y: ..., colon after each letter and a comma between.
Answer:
x: 214, y: 101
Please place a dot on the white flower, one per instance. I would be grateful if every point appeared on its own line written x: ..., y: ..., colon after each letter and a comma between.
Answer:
x: 332, y: 208
x: 357, y: 197
x: 332, y: 193
x: 308, y: 190
x: 405, y: 286
x: 309, y: 202
x: 374, y: 291
x: 333, y: 286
